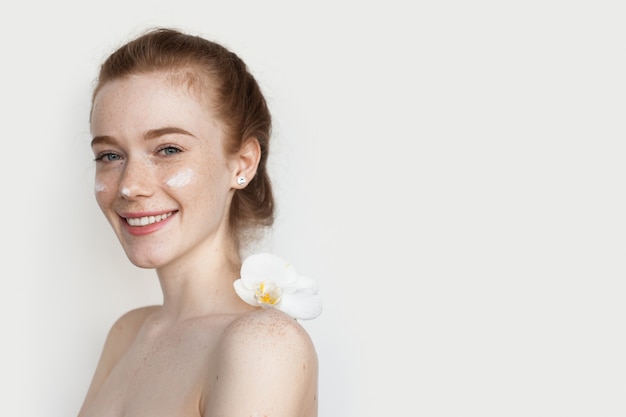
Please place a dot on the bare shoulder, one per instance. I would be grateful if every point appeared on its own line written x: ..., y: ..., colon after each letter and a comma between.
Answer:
x: 119, y: 339
x: 133, y: 319
x: 266, y: 364
x: 271, y: 334
x: 125, y: 328
x: 267, y: 325
x: 121, y: 336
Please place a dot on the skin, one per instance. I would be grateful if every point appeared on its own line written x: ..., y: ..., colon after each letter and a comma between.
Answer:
x: 203, y: 352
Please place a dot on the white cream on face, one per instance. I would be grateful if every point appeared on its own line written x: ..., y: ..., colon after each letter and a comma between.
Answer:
x: 125, y: 192
x: 180, y: 179
x: 99, y: 187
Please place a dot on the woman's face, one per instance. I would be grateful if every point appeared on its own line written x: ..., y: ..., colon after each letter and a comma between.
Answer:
x: 162, y: 178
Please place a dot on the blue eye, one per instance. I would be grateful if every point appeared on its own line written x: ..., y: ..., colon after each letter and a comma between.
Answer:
x: 170, y: 150
x: 108, y: 157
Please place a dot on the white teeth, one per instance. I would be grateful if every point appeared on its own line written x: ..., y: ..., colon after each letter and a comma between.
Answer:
x: 144, y: 221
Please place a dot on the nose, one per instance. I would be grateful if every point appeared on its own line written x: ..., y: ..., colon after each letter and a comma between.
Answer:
x: 136, y: 179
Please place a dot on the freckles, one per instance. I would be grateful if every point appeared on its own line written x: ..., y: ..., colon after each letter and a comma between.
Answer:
x: 180, y: 179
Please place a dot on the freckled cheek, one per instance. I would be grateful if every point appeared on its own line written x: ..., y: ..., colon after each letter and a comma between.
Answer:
x: 101, y: 196
x: 206, y: 191
x: 104, y: 189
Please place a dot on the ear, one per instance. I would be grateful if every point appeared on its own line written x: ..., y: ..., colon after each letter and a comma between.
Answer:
x: 246, y: 162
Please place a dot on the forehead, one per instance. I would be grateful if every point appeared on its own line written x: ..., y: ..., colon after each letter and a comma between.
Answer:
x: 146, y: 100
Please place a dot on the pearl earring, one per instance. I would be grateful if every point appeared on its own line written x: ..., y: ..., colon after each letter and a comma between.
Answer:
x: 241, y: 180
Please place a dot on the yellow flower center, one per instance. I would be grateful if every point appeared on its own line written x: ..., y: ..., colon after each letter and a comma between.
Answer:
x: 268, y: 293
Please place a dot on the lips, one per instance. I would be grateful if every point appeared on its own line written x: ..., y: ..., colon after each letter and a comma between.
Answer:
x: 140, y: 224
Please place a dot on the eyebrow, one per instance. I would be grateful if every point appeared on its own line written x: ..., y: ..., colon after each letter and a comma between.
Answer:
x: 150, y: 134
x: 168, y: 130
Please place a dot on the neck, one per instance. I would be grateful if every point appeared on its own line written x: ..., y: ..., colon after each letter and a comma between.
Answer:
x: 201, y: 285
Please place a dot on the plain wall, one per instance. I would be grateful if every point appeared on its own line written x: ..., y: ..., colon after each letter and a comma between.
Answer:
x: 451, y: 172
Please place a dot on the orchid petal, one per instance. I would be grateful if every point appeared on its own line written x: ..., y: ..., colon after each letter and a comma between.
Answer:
x: 302, y: 283
x: 301, y: 305
x: 246, y: 294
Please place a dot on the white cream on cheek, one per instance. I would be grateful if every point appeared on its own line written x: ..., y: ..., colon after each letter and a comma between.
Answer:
x: 99, y: 187
x: 180, y: 179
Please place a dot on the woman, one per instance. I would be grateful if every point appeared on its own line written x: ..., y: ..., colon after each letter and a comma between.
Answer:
x: 180, y: 137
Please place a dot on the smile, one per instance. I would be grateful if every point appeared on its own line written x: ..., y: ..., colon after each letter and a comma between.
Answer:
x: 147, y: 220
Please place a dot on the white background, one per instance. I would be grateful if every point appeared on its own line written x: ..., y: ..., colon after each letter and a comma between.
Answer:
x: 452, y: 173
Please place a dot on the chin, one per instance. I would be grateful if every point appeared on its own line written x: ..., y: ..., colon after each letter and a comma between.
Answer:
x: 146, y: 262
x: 143, y: 264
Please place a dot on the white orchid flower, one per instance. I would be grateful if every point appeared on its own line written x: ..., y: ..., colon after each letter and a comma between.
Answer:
x: 269, y: 281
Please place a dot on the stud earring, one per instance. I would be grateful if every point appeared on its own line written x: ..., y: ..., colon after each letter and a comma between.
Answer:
x: 241, y: 180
